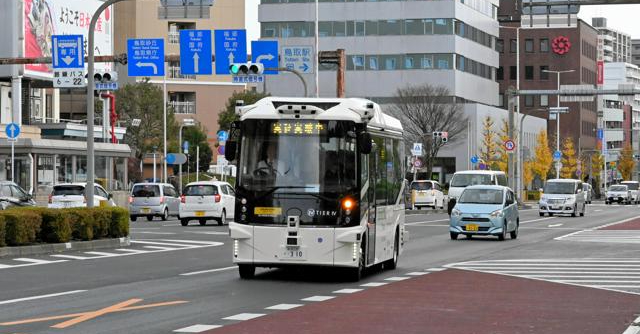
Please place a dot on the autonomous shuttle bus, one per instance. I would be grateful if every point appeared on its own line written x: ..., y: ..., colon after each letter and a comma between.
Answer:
x: 319, y: 182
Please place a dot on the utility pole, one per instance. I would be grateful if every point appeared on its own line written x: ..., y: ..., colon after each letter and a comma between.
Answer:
x: 511, y: 105
x: 337, y: 57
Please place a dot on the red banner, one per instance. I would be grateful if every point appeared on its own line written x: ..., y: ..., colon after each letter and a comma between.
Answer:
x: 600, y: 74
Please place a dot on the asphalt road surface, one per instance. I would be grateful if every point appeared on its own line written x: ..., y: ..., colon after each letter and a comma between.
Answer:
x: 562, y: 275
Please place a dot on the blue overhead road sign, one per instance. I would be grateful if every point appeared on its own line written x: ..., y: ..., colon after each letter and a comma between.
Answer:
x: 195, y: 52
x: 299, y: 58
x: 145, y: 57
x: 67, y: 51
x: 266, y: 53
x: 12, y: 130
x: 231, y: 47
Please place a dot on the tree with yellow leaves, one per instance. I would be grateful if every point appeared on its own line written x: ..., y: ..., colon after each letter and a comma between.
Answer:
x: 503, y: 160
x: 597, y: 165
x: 569, y: 160
x: 626, y: 163
x: 489, y: 147
x: 542, y: 158
x: 527, y: 173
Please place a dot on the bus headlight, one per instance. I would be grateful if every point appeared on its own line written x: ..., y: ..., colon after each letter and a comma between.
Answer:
x: 235, y: 247
x: 243, y: 217
x: 244, y: 209
x: 243, y: 201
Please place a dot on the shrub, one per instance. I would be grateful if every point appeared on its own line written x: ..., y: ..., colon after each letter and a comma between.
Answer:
x: 21, y: 228
x: 56, y: 226
x: 101, y: 222
x: 2, y: 232
x: 119, y: 222
x: 81, y: 223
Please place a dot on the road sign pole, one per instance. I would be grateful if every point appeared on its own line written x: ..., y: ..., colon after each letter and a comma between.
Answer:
x: 164, y: 126
x: 90, y: 100
x: 13, y: 160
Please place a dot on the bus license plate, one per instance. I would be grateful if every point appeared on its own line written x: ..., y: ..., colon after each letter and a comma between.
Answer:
x: 293, y: 253
x: 472, y: 228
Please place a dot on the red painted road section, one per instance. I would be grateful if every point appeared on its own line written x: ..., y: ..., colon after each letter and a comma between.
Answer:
x: 628, y: 225
x: 456, y: 302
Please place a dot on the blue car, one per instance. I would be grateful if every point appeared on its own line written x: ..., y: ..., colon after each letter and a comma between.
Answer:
x: 485, y: 210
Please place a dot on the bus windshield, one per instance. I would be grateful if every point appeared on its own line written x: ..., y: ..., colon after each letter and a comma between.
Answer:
x: 312, y: 161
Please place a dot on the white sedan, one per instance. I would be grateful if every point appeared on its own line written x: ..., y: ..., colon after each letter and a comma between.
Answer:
x: 207, y: 200
x: 426, y: 193
x: 73, y: 195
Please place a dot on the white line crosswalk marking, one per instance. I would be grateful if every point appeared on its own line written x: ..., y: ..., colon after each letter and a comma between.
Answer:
x: 604, y: 236
x: 618, y: 274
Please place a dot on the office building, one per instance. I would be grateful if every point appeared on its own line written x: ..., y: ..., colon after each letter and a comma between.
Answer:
x: 613, y: 45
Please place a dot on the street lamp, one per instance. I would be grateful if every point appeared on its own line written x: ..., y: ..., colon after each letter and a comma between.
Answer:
x: 185, y: 122
x: 558, y: 116
x: 517, y: 140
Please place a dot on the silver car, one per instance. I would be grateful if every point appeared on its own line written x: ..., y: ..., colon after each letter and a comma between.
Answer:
x: 153, y: 200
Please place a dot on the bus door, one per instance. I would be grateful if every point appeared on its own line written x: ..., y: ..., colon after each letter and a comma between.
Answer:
x: 373, y: 208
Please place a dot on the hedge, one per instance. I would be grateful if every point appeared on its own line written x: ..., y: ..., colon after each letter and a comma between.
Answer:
x: 22, y: 226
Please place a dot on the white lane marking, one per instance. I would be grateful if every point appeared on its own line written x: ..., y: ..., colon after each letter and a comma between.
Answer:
x: 194, y: 241
x: 160, y: 243
x: 40, y: 297
x: 3, y: 266
x: 597, y: 210
x: 595, y: 281
x: 373, y: 284
x: 196, y: 328
x: 35, y: 261
x: 318, y: 298
x: 244, y: 316
x: 633, y: 328
x: 163, y: 248
x: 103, y: 254
x: 426, y: 222
x: 208, y: 271
x: 417, y: 273
x: 73, y: 257
x: 397, y: 278
x: 210, y: 233
x: 135, y: 251
x: 536, y: 220
x: 283, y: 307
x: 555, y: 225
x: 430, y: 225
x: 149, y: 232
x: 581, y: 276
x: 436, y: 269
x: 144, y: 228
x: 348, y: 291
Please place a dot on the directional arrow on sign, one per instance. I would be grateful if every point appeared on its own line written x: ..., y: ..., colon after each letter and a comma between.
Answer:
x: 12, y: 130
x: 231, y: 58
x: 261, y: 58
x: 68, y: 60
x: 152, y: 65
x: 304, y: 67
x: 196, y: 58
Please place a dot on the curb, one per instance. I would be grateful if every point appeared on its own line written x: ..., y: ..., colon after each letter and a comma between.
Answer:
x: 63, y: 247
x: 424, y: 212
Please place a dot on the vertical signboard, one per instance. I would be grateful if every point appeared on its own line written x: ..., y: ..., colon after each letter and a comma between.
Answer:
x: 600, y: 72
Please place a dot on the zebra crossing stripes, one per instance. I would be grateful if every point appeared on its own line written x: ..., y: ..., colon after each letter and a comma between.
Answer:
x: 604, y: 236
x: 617, y: 274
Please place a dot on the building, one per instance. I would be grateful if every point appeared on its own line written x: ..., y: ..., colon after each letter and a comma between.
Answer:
x: 52, y: 145
x: 550, y: 40
x: 635, y: 52
x: 613, y: 45
x: 200, y: 97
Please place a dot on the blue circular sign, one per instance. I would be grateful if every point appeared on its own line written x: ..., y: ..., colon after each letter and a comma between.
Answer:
x: 12, y: 130
x: 223, y: 135
x: 482, y: 166
x: 171, y: 158
x: 474, y: 159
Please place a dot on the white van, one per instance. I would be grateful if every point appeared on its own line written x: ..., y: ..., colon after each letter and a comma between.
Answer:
x: 634, y: 188
x: 463, y: 179
x: 562, y: 196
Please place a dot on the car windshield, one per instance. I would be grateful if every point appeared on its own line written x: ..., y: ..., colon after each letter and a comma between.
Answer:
x: 146, y: 190
x: 632, y: 185
x: 560, y: 188
x: 69, y: 190
x: 618, y: 188
x: 481, y: 196
x: 421, y: 186
x: 465, y: 180
x: 201, y: 190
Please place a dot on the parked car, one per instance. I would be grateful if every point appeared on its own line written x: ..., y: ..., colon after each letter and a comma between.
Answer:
x: 619, y: 193
x: 153, y: 200
x: 11, y: 195
x: 463, y: 179
x: 634, y: 188
x: 426, y: 193
x: 587, y: 190
x: 562, y: 196
x: 485, y: 210
x: 73, y: 195
x: 207, y: 200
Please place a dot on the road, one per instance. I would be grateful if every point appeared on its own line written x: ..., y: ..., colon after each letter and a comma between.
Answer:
x: 560, y: 276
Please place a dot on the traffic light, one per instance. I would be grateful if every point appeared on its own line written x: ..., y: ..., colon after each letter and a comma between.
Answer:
x: 106, y: 76
x: 246, y: 68
x: 444, y: 136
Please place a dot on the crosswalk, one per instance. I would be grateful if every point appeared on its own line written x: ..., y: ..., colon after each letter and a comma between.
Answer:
x: 617, y: 274
x: 604, y: 236
x: 138, y: 247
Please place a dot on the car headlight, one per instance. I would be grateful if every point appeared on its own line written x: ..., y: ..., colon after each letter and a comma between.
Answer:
x: 496, y: 214
x: 569, y: 200
x: 455, y: 213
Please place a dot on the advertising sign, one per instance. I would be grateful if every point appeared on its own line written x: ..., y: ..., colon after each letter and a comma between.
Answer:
x: 600, y: 75
x: 45, y: 18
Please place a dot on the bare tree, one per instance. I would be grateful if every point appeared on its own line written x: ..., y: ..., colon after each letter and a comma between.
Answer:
x: 424, y: 109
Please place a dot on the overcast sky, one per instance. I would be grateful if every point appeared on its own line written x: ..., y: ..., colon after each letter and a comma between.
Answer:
x: 619, y: 17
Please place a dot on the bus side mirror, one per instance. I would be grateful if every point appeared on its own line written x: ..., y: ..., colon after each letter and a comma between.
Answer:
x: 364, y: 142
x: 230, y: 150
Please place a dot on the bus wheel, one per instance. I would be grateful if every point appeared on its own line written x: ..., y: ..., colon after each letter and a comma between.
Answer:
x: 246, y: 271
x: 392, y: 263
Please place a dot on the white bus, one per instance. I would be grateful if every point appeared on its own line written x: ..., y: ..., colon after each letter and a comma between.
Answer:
x: 320, y: 182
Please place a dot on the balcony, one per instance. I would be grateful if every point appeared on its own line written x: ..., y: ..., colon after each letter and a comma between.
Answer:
x: 175, y: 73
x: 183, y: 107
x: 174, y: 37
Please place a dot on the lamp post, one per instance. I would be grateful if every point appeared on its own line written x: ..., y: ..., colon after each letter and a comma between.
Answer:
x: 517, y: 140
x: 185, y: 122
x: 558, y: 116
x: 520, y: 161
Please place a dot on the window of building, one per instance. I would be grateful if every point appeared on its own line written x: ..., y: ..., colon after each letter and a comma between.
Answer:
x: 444, y: 61
x: 500, y: 73
x: 544, y: 75
x: 513, y: 46
x: 355, y: 28
x: 528, y: 72
x: 390, y: 27
x: 500, y: 100
x: 500, y: 45
x: 428, y: 26
x: 544, y: 45
x: 528, y: 101
x: 390, y: 62
x: 339, y: 28
x: 528, y: 45
x: 513, y: 75
x: 371, y: 28
x: 427, y: 62
x: 414, y: 27
x: 544, y: 100
x: 443, y: 27
x: 372, y: 63
x: 325, y: 29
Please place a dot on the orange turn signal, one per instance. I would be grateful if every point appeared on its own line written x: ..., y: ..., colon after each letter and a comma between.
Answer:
x: 347, y: 204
